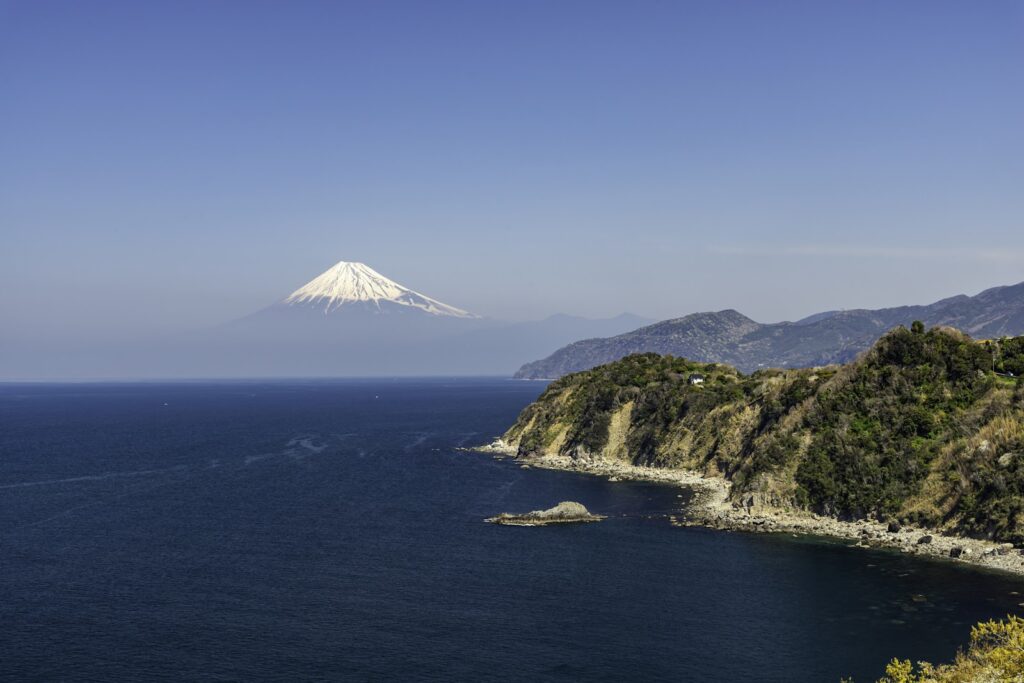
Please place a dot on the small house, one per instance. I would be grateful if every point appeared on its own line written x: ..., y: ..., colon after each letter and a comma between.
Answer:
x: 696, y: 378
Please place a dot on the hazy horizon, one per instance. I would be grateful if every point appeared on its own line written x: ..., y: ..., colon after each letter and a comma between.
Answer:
x: 171, y: 166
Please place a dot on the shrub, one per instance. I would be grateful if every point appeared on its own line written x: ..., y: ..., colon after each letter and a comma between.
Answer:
x: 995, y: 653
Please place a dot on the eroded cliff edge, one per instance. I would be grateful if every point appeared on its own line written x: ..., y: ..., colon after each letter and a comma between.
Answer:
x: 924, y: 430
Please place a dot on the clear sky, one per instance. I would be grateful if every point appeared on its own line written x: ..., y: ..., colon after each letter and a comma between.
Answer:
x: 170, y: 164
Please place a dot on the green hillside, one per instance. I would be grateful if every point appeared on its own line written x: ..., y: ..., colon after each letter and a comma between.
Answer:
x: 925, y: 427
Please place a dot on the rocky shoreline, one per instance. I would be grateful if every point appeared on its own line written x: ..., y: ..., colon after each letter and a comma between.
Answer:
x: 710, y: 507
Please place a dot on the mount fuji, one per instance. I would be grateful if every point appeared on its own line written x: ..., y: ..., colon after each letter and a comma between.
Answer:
x: 349, y: 321
x: 347, y: 286
x: 348, y: 307
x: 353, y: 321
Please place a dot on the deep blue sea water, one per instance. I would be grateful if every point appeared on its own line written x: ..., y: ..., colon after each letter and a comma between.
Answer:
x: 331, y: 530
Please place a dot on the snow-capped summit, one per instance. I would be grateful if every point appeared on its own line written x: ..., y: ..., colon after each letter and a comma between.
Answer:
x: 356, y: 284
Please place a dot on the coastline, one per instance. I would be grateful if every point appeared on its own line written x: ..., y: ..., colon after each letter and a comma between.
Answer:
x: 710, y: 507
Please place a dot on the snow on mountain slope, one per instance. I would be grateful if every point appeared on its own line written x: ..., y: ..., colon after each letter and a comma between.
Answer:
x: 348, y: 283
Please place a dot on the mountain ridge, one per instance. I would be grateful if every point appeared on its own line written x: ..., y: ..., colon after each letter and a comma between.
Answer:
x: 819, y: 339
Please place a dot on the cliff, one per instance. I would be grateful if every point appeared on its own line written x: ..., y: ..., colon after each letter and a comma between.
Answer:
x: 922, y: 429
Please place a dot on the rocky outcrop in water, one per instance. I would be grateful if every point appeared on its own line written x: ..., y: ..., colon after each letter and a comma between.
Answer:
x: 566, y: 512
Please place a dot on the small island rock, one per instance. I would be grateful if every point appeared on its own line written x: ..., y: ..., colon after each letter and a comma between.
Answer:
x: 566, y: 512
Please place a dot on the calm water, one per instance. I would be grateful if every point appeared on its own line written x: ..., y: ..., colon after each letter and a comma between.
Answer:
x: 330, y: 530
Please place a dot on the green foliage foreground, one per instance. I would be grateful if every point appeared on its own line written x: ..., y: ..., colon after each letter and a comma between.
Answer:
x: 995, y: 653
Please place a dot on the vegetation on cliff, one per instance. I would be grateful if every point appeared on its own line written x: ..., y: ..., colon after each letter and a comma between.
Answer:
x: 922, y: 428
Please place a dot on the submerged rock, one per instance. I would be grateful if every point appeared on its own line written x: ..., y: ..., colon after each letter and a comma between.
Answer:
x: 566, y: 512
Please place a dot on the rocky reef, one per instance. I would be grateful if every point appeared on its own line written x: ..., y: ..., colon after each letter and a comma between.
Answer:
x: 566, y: 512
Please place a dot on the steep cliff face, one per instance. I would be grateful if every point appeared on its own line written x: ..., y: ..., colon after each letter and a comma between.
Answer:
x: 919, y: 428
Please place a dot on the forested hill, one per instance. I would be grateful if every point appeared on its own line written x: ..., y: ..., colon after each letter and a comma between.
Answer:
x: 829, y: 337
x: 926, y: 427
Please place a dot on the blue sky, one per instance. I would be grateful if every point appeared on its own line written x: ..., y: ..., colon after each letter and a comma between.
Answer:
x: 172, y: 164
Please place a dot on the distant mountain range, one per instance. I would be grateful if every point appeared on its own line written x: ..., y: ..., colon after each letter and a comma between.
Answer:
x: 353, y: 321
x: 820, y: 339
x: 349, y: 321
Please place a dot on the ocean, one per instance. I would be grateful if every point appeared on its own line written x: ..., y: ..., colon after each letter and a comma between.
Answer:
x: 332, y: 530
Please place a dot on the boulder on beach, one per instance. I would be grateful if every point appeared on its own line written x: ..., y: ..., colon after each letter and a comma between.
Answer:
x: 566, y: 512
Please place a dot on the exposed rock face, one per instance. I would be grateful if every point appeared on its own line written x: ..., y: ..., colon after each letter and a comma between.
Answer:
x: 566, y: 512
x: 887, y: 437
x: 821, y: 339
